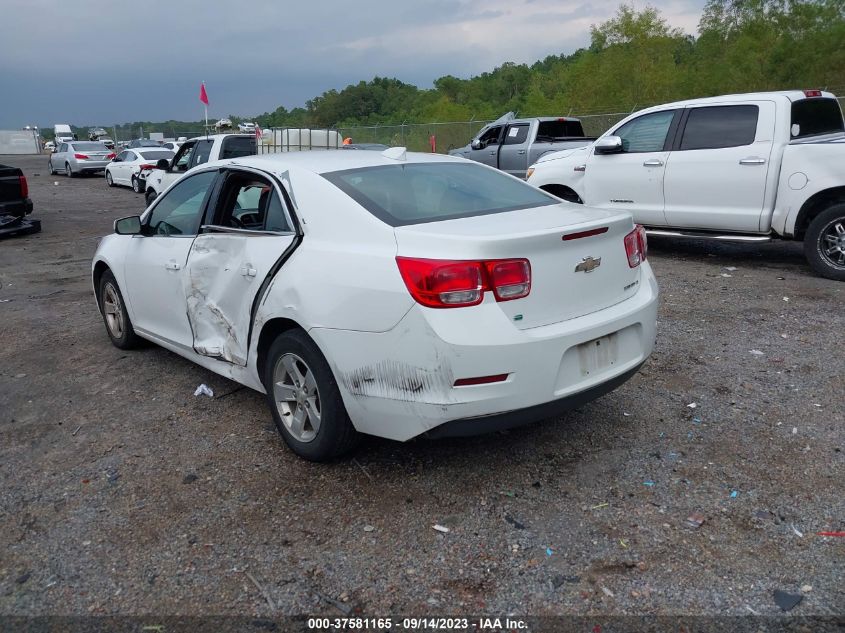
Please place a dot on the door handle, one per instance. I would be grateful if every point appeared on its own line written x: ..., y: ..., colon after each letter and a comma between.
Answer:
x: 653, y: 163
x: 492, y: 153
x: 171, y: 265
x: 246, y: 271
x: 752, y: 161
x: 522, y: 151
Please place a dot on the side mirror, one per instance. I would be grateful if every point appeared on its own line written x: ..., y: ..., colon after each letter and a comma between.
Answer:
x: 163, y: 163
x: 128, y: 226
x: 476, y: 144
x: 608, y: 145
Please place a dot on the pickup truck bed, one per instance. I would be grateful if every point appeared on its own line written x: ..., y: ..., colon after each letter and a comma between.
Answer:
x: 15, y: 204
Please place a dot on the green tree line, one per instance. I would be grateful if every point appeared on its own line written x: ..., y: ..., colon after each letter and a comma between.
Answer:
x: 634, y: 59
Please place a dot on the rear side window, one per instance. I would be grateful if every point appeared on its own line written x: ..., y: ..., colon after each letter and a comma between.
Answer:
x: 549, y: 130
x: 430, y: 192
x: 720, y: 126
x: 202, y: 150
x: 236, y: 146
x: 816, y: 116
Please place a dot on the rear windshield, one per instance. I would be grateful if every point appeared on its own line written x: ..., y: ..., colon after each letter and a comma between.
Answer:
x: 89, y: 146
x: 429, y: 192
x: 816, y: 116
x: 236, y: 146
x: 156, y: 154
x: 551, y: 130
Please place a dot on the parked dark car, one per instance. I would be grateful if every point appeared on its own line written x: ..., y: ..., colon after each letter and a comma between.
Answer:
x: 15, y: 204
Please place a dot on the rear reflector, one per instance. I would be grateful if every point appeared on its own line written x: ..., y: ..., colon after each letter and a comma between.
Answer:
x: 575, y: 236
x: 812, y: 93
x: 444, y: 283
x: 24, y: 186
x: 480, y: 380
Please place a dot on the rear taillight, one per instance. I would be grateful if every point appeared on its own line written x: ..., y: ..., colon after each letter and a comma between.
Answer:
x: 81, y: 156
x: 442, y: 283
x: 812, y: 93
x: 24, y: 186
x: 636, y: 246
x: 143, y: 167
x: 112, y: 155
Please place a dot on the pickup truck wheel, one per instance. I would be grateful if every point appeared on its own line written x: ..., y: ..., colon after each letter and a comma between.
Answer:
x: 304, y: 399
x: 150, y: 196
x: 116, y: 319
x: 824, y: 243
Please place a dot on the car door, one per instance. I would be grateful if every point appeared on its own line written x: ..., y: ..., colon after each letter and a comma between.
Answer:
x: 234, y: 256
x: 632, y: 179
x: 513, y: 155
x: 488, y: 151
x: 124, y: 167
x: 717, y: 172
x: 57, y: 160
x: 155, y: 260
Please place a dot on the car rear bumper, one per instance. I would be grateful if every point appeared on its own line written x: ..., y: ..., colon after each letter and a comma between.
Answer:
x: 401, y: 383
x: 17, y: 208
x: 89, y: 165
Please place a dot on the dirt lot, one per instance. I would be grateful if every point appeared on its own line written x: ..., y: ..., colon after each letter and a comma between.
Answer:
x: 122, y: 493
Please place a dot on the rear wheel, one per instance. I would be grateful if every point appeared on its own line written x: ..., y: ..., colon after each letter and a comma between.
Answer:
x: 137, y: 185
x: 109, y: 180
x: 824, y: 243
x: 68, y: 171
x: 118, y: 325
x: 150, y: 197
x: 304, y: 399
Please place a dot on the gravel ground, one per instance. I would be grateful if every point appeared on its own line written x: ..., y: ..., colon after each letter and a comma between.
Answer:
x: 122, y: 493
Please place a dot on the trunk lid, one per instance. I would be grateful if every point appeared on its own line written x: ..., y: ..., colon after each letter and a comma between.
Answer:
x: 558, y: 291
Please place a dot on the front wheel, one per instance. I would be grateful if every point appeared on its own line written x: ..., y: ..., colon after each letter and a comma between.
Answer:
x: 118, y: 325
x: 304, y: 399
x: 824, y: 243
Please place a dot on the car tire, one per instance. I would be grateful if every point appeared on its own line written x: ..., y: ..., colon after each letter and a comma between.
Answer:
x: 109, y: 180
x: 115, y: 317
x: 51, y: 168
x: 137, y: 185
x: 305, y: 401
x: 150, y: 197
x: 68, y: 171
x: 824, y: 242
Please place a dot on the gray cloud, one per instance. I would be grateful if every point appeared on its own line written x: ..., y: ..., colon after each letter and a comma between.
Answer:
x: 94, y: 61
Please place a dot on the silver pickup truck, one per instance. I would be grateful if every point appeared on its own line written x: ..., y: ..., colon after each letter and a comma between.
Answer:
x: 512, y: 144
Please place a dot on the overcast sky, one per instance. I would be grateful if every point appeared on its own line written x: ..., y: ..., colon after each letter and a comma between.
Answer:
x: 95, y: 62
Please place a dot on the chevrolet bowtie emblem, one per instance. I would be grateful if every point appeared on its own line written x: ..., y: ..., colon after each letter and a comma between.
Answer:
x: 588, y: 264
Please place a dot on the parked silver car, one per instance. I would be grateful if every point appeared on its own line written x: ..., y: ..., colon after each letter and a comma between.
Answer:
x: 79, y: 157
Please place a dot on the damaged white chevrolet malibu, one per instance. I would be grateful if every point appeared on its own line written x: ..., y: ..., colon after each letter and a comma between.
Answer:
x: 386, y: 293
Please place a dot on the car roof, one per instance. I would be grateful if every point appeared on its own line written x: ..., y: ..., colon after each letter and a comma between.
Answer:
x: 325, y: 161
x: 792, y: 95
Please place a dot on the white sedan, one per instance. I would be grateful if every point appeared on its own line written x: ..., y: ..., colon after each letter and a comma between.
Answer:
x: 131, y: 166
x: 383, y: 293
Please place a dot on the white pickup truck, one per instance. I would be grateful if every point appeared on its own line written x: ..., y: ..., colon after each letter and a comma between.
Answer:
x: 748, y: 167
x: 193, y: 152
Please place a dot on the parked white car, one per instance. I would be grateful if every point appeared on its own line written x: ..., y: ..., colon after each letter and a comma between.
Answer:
x: 383, y: 293
x: 173, y: 146
x: 748, y: 167
x: 246, y: 126
x: 131, y: 167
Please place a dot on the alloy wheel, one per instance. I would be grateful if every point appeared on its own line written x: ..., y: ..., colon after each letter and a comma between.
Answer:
x: 113, y: 311
x: 297, y: 397
x: 832, y: 243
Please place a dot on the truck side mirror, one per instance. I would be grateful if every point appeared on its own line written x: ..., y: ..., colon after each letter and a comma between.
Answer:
x: 128, y: 226
x: 163, y: 164
x: 608, y: 145
x: 476, y: 144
